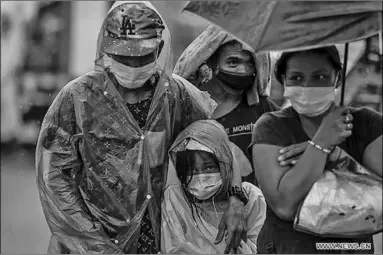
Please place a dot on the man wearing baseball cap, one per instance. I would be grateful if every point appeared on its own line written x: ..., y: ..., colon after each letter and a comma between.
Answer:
x: 101, y: 156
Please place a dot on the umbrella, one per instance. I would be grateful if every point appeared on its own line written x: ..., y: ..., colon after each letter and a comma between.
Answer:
x: 293, y: 25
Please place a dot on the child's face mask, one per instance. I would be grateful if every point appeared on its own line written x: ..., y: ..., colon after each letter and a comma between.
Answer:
x: 204, y: 186
x: 206, y: 180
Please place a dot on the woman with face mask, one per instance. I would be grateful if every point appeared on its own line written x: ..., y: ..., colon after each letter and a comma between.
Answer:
x: 235, y: 77
x: 331, y: 133
x: 195, y: 200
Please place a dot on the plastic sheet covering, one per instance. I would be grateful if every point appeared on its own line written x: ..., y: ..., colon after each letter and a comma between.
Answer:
x: 97, y: 171
x: 293, y: 25
x: 345, y: 202
x: 184, y: 234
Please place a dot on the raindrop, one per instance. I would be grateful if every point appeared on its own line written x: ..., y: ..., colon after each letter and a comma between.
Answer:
x: 353, y: 207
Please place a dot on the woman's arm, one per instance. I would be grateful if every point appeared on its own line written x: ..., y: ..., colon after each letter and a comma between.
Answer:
x: 284, y: 187
x: 372, y: 156
x: 369, y: 124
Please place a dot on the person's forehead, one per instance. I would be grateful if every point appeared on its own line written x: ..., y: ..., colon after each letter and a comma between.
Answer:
x: 234, y: 49
x: 308, y: 61
x: 203, y: 156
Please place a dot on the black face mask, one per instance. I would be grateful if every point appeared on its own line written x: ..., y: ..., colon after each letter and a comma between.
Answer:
x: 236, y: 81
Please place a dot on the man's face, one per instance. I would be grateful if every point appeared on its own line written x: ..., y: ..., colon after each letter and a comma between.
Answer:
x: 233, y: 59
x: 135, y: 61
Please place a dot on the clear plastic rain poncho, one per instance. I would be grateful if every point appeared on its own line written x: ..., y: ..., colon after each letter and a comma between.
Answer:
x: 97, y: 171
x: 192, y: 229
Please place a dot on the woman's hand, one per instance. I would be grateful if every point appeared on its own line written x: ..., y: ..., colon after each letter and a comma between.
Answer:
x: 233, y: 221
x: 291, y: 154
x: 335, y: 128
x: 335, y: 155
x: 338, y: 122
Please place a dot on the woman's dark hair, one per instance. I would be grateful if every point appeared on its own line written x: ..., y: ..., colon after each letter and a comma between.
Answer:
x: 331, y: 51
x: 184, y: 164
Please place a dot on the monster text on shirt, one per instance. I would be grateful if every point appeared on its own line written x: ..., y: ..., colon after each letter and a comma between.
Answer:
x: 240, y: 129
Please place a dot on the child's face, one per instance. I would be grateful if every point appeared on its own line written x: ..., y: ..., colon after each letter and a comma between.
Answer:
x: 204, y: 163
x: 206, y: 180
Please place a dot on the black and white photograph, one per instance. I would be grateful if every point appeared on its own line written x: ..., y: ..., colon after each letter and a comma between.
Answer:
x: 191, y: 127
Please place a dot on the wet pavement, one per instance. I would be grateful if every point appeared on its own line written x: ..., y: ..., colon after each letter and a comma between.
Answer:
x: 23, y: 226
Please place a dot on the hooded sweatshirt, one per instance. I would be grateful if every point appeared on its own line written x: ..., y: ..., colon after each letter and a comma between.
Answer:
x: 188, y: 230
x: 255, y: 101
x: 206, y: 44
x: 97, y: 170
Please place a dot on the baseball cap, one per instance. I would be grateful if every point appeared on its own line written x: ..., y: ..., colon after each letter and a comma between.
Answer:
x: 331, y: 51
x: 132, y: 29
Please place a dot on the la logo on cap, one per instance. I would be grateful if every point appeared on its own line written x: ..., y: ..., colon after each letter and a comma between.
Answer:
x: 127, y: 25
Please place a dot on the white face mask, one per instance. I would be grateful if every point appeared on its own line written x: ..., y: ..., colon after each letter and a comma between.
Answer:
x: 130, y: 77
x: 312, y: 101
x: 204, y: 186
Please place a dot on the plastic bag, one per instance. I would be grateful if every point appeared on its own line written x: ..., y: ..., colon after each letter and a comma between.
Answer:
x: 345, y: 202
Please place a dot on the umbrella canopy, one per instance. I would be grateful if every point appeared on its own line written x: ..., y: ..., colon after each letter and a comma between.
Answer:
x: 293, y: 25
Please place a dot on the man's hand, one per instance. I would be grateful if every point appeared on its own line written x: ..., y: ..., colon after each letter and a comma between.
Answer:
x: 233, y: 221
x: 244, y: 249
x: 291, y: 154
